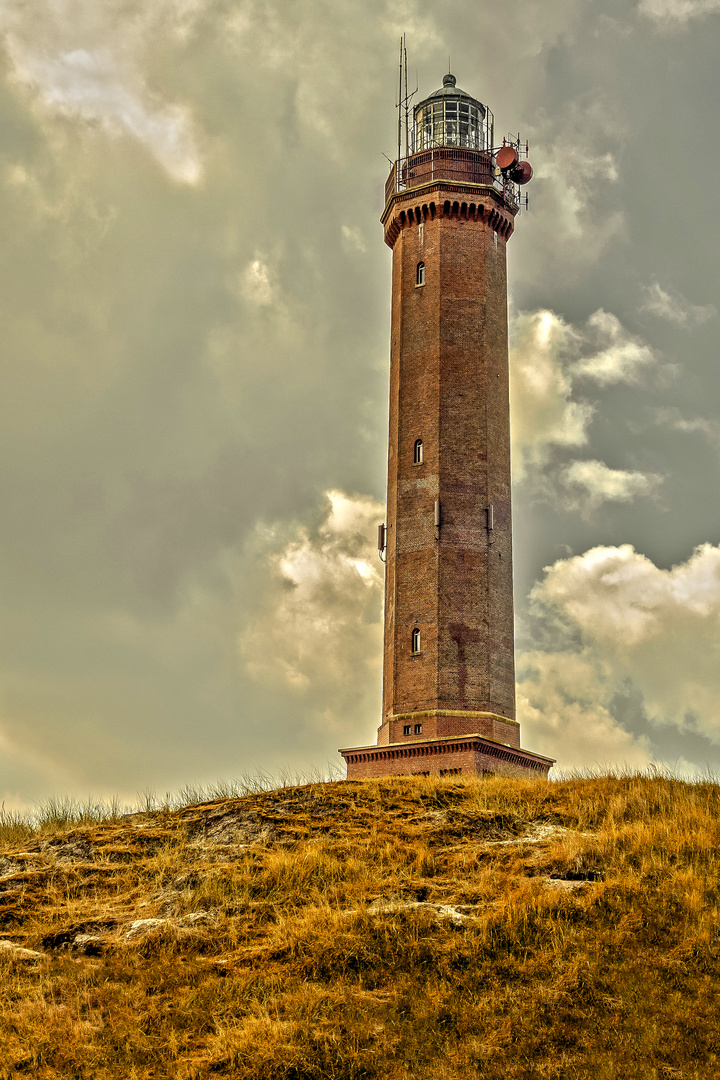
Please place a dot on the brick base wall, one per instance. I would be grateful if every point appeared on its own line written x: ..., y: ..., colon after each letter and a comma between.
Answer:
x: 472, y: 755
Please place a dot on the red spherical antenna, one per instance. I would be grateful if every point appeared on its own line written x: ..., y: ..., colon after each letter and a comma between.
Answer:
x: 522, y: 173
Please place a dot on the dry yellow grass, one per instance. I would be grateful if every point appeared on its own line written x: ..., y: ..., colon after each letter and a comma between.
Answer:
x: 408, y: 929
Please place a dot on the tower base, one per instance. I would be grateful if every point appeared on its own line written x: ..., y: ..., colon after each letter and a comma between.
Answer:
x: 472, y: 755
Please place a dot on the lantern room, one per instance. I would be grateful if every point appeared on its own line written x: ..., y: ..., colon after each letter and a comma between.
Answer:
x: 450, y: 117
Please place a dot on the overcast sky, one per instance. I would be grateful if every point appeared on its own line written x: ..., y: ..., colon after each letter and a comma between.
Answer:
x: 193, y: 419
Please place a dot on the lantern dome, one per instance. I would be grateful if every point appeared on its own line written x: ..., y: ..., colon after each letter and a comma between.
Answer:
x: 450, y: 117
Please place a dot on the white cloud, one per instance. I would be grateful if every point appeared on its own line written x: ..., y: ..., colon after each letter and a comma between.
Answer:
x: 563, y: 708
x: 257, y: 285
x: 574, y: 171
x: 591, y: 483
x: 83, y: 62
x: 574, y: 211
x: 658, y: 628
x: 677, y: 11
x: 674, y: 307
x: 671, y: 417
x: 319, y: 631
x: 543, y: 414
x: 547, y: 357
x: 618, y: 355
x: 353, y: 239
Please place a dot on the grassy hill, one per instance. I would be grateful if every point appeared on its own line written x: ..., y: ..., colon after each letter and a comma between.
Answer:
x: 408, y: 929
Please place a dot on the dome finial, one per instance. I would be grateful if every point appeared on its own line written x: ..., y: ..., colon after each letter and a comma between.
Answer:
x: 448, y: 80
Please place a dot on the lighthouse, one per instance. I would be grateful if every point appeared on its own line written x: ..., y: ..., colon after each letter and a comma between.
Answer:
x: 448, y: 668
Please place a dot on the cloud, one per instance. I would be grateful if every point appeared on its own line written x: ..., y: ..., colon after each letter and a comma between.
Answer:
x: 618, y: 357
x: 257, y: 286
x: 194, y: 344
x: 675, y: 308
x: 574, y: 171
x: 617, y: 594
x: 318, y: 630
x: 671, y: 417
x: 677, y: 12
x: 563, y: 705
x: 83, y: 62
x: 180, y: 363
x: 591, y: 483
x: 575, y: 212
x: 659, y: 629
x: 548, y: 357
x: 543, y: 414
x: 353, y: 240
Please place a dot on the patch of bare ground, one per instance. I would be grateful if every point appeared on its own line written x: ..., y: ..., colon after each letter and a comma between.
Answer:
x: 398, y: 929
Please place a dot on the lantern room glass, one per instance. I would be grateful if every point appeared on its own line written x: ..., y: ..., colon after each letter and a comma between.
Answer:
x: 449, y: 121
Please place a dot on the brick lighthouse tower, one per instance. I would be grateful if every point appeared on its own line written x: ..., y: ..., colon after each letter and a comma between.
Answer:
x: 449, y: 670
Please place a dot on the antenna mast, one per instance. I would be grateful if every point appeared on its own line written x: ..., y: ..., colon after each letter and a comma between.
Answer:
x: 399, y: 103
x: 404, y: 100
x: 407, y: 107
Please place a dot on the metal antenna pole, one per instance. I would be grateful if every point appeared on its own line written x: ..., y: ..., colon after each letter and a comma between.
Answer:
x: 407, y: 107
x: 399, y: 107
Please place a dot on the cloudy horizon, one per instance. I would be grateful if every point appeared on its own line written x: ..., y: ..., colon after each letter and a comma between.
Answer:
x: 196, y: 304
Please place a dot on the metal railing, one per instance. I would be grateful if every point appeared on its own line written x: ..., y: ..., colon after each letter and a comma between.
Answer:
x: 448, y: 163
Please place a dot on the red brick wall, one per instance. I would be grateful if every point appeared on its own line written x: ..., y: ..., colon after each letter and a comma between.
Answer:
x: 449, y: 387
x: 436, y: 758
x: 442, y: 725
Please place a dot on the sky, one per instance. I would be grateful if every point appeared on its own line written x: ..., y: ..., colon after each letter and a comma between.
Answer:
x: 195, y: 303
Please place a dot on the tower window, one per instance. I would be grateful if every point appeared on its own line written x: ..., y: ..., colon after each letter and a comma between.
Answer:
x: 418, y: 729
x: 420, y: 274
x: 406, y: 729
x: 417, y: 454
x: 416, y: 640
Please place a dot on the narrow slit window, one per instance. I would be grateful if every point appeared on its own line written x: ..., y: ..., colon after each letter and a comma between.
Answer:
x: 418, y: 452
x: 420, y: 274
x: 416, y: 640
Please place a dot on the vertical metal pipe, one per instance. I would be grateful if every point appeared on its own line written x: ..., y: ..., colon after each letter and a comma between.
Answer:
x: 399, y: 106
x: 407, y: 110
